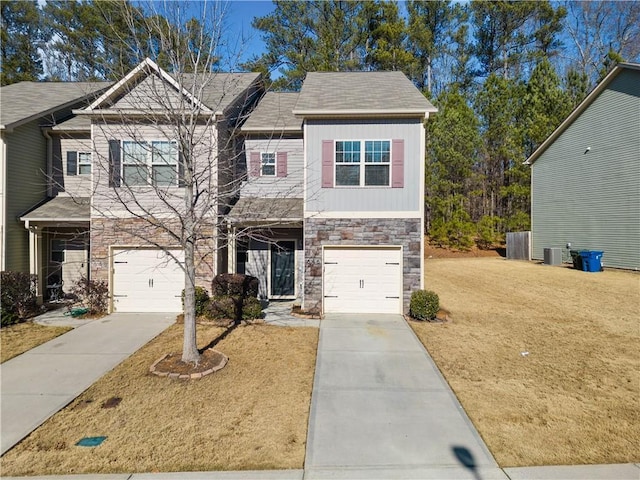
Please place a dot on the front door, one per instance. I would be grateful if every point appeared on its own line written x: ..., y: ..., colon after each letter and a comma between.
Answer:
x: 283, y: 267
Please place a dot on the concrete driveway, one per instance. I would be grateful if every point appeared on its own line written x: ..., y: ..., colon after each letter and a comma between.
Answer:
x: 381, y: 409
x: 38, y: 383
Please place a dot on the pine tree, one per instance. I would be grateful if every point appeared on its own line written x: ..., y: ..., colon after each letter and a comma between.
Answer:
x: 387, y: 43
x: 452, y: 151
x: 21, y: 34
x: 545, y: 105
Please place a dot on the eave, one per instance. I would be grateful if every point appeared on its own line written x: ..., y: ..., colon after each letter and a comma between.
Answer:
x: 361, y: 113
x: 582, y: 106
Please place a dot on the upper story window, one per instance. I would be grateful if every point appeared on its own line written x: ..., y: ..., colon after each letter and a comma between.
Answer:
x: 149, y: 162
x: 363, y: 163
x: 84, y: 163
x: 78, y: 163
x: 267, y: 164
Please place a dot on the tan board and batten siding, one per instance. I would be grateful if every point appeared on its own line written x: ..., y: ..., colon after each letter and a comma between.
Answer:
x: 26, y: 186
x: 591, y: 199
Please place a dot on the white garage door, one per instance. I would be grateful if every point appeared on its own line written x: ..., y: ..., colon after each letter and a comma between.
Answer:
x: 147, y: 280
x: 363, y: 280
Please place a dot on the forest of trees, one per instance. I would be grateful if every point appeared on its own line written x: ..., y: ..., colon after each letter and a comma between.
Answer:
x: 503, y: 75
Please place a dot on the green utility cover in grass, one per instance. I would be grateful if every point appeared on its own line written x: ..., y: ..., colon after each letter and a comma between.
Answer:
x: 91, y: 441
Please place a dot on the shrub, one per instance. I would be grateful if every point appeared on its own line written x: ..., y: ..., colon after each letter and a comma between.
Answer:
x: 202, y: 300
x: 18, y: 296
x: 231, y: 308
x: 221, y: 308
x: 235, y: 285
x: 424, y: 305
x: 251, y: 309
x: 93, y: 294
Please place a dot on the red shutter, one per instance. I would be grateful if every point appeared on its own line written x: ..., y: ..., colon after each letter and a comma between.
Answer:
x: 281, y: 163
x: 327, y: 164
x: 254, y: 164
x: 397, y: 164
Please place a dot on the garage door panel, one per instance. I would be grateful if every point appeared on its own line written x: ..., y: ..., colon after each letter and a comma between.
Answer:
x: 362, y: 280
x: 147, y: 280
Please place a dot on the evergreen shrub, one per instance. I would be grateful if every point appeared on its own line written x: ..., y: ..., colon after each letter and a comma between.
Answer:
x: 424, y: 305
x: 18, y: 297
x: 202, y: 300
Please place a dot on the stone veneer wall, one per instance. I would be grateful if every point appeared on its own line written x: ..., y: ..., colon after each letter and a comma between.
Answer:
x: 360, y: 231
x: 137, y: 232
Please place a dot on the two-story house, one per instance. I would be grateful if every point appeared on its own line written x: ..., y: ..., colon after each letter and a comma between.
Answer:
x: 321, y: 196
x: 28, y: 110
x: 332, y: 209
x: 117, y: 190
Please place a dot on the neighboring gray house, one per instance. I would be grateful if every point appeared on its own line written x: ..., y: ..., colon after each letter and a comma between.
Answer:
x: 585, y: 178
x: 27, y: 110
x: 334, y: 193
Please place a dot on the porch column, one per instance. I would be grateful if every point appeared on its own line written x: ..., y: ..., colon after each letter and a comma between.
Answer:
x: 35, y: 261
x: 231, y: 248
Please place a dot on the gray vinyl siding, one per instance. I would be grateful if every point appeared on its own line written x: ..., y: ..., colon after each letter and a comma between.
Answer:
x: 74, y: 185
x: 350, y: 199
x: 274, y: 187
x: 26, y: 187
x: 592, y: 199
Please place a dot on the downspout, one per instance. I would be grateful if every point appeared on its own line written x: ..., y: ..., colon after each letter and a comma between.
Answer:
x: 3, y: 203
x: 46, y: 132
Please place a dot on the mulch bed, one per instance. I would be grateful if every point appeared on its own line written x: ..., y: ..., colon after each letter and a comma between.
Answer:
x: 172, y: 366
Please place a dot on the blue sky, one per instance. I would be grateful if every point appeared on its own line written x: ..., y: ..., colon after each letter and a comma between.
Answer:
x: 242, y: 38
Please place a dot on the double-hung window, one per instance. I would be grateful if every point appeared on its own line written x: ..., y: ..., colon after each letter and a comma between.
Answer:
x: 164, y: 163
x: 268, y: 164
x: 145, y: 163
x: 84, y: 163
x: 363, y: 163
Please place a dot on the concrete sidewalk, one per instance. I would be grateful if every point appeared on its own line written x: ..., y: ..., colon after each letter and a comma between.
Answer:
x: 38, y: 383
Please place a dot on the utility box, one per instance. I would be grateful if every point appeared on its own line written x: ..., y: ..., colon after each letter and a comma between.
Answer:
x: 553, y: 256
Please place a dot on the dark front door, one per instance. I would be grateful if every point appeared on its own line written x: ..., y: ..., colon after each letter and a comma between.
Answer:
x: 283, y: 266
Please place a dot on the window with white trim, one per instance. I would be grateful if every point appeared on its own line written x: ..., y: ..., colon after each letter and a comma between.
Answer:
x: 145, y: 163
x: 363, y: 163
x: 267, y: 164
x: 84, y: 163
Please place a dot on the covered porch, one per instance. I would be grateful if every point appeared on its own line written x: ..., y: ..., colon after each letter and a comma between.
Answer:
x: 265, y: 239
x: 58, y: 244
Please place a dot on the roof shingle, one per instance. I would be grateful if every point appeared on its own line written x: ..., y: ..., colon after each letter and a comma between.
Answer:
x: 362, y: 93
x: 274, y: 113
x: 24, y: 101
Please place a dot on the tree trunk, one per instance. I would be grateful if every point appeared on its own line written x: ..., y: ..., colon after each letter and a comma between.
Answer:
x: 189, y: 346
x: 190, y: 352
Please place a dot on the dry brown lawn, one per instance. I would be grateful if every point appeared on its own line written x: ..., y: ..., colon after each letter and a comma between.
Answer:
x: 575, y: 398
x: 21, y: 337
x: 252, y: 414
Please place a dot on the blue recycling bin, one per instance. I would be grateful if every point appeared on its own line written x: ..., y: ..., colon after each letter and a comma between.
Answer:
x: 591, y: 260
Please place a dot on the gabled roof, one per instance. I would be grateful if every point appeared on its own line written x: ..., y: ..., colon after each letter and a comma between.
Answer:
x: 26, y: 101
x: 581, y: 108
x: 274, y: 113
x: 211, y: 93
x: 360, y: 94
